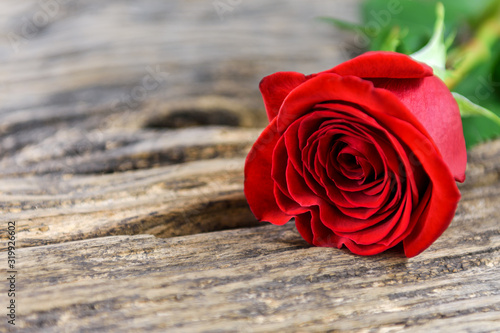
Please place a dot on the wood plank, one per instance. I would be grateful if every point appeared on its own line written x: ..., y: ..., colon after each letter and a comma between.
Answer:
x: 167, y: 201
x: 108, y: 111
x: 267, y: 279
x: 91, y: 147
x: 136, y: 63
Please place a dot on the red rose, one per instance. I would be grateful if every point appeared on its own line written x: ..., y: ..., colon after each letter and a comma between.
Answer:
x: 364, y: 155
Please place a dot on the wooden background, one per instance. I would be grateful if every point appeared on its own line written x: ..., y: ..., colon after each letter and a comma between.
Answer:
x: 126, y: 123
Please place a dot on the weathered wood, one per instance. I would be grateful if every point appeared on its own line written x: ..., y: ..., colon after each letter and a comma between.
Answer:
x: 166, y: 201
x: 95, y: 105
x: 134, y: 117
x: 267, y: 279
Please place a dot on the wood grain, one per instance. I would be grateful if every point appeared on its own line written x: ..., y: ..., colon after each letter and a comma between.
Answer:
x: 267, y: 279
x: 123, y: 131
x: 125, y: 118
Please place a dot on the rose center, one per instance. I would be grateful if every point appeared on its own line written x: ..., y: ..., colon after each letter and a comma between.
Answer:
x: 350, y: 162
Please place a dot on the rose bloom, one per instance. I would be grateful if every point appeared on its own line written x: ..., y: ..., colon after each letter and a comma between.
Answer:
x: 364, y: 155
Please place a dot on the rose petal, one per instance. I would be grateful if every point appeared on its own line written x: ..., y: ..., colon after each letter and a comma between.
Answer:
x: 432, y: 104
x: 416, y: 214
x: 338, y: 222
x: 276, y: 87
x: 259, y: 186
x: 322, y: 235
x: 298, y: 188
x: 287, y: 204
x: 365, y: 250
x: 398, y: 221
x: 332, y: 87
x: 444, y: 198
x: 285, y: 200
x: 383, y: 65
x: 303, y: 225
x: 279, y: 162
x: 434, y: 221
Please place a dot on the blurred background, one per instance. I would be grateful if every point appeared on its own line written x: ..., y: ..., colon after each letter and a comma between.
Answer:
x: 150, y: 64
x: 76, y: 75
x: 90, y: 88
x: 129, y: 117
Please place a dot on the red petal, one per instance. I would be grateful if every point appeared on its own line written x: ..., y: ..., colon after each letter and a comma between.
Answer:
x: 294, y: 153
x: 383, y: 65
x: 259, y: 186
x: 444, y: 198
x: 434, y: 220
x: 298, y: 188
x: 378, y: 233
x: 322, y: 235
x: 286, y: 204
x: 303, y: 225
x: 393, y: 115
x: 433, y: 105
x: 338, y: 222
x: 276, y: 87
x: 365, y: 250
x: 282, y: 194
x: 415, y: 216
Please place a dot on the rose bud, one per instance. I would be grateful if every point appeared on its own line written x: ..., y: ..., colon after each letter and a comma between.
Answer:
x: 364, y: 155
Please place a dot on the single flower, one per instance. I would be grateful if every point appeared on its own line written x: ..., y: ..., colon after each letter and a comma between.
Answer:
x: 364, y: 155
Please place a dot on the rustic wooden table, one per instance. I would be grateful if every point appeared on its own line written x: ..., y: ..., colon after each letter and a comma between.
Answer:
x: 126, y: 123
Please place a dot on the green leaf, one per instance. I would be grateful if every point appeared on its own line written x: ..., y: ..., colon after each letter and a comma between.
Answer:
x: 480, y: 124
x: 414, y: 15
x: 468, y: 109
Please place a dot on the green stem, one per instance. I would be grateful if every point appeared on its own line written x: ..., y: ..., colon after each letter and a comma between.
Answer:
x: 478, y: 49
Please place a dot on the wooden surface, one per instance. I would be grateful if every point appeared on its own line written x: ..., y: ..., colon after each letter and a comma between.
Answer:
x: 122, y: 183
